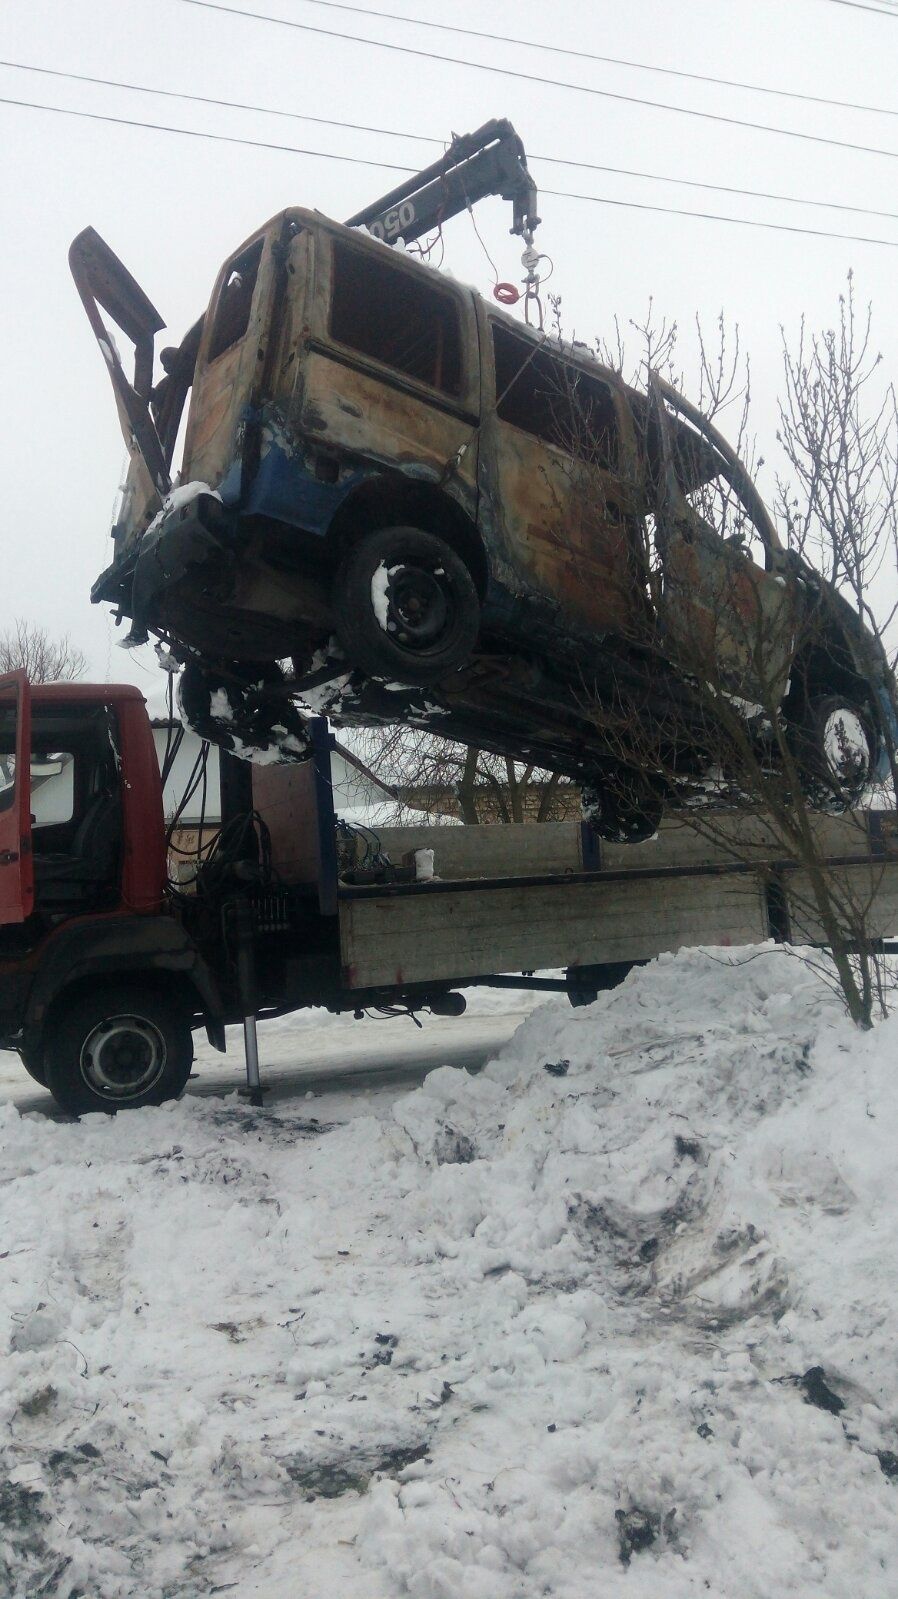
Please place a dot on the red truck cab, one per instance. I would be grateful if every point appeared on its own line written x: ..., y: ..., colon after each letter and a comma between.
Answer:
x: 97, y: 978
x: 102, y: 844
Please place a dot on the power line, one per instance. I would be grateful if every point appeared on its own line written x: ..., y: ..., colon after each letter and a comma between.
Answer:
x: 216, y: 138
x: 878, y: 11
x: 553, y: 83
x: 612, y: 61
x: 388, y: 166
x: 424, y: 138
x: 720, y: 188
x: 712, y: 216
x: 229, y: 105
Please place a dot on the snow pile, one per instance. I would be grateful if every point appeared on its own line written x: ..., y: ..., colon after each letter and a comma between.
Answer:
x: 615, y: 1317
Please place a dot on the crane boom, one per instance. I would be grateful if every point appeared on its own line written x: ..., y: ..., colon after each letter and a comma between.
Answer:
x: 490, y: 161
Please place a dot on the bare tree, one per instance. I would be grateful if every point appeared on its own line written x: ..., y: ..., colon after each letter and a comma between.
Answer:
x: 751, y: 653
x: 27, y: 646
x: 447, y: 779
x: 838, y: 497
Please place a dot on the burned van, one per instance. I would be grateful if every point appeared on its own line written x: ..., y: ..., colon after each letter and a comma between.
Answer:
x: 396, y: 502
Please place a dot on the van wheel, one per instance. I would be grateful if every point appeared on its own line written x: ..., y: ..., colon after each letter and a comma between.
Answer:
x: 623, y: 809
x: 836, y: 751
x: 245, y: 714
x: 405, y: 606
x: 118, y: 1047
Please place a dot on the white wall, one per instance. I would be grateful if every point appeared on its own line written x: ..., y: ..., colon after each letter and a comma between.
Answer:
x: 180, y: 776
x: 353, y: 792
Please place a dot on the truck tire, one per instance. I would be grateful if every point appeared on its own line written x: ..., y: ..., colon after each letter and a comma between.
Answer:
x: 405, y: 606
x: 34, y: 1066
x: 117, y: 1047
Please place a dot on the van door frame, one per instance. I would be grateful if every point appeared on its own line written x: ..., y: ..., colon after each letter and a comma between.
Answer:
x: 102, y: 280
x: 620, y: 485
x: 252, y: 369
x: 718, y: 589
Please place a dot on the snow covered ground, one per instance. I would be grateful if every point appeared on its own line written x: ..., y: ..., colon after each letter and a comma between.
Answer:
x: 613, y: 1316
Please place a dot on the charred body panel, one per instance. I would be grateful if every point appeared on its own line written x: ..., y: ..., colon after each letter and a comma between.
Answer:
x: 342, y: 440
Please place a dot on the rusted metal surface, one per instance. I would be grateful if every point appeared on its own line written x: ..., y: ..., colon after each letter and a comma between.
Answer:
x: 732, y: 619
x: 354, y: 412
x: 557, y: 530
x: 227, y: 383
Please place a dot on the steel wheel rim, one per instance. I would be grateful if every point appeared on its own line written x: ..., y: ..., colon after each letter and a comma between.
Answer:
x: 846, y: 747
x: 122, y: 1057
x: 420, y: 607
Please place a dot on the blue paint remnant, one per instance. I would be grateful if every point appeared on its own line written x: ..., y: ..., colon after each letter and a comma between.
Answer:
x: 283, y: 488
x: 231, y: 485
x: 887, y: 711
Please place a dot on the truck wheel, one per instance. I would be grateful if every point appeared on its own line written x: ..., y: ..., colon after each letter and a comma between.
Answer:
x: 622, y: 810
x: 118, y: 1047
x: 34, y: 1066
x: 836, y: 750
x: 405, y: 606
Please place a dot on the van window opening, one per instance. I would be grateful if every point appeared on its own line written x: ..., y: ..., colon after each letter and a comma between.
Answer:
x: 235, y: 301
x: 554, y: 401
x: 726, y: 518
x: 722, y: 511
x: 383, y: 312
x: 170, y: 397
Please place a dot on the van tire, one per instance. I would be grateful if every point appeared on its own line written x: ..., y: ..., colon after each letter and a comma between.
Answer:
x: 250, y: 719
x: 835, y: 746
x: 118, y: 1047
x: 625, y: 809
x: 418, y: 621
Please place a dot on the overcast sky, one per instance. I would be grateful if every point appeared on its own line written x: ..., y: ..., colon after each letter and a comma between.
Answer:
x: 174, y: 207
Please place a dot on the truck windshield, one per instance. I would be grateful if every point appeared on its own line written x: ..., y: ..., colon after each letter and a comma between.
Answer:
x: 7, y: 756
